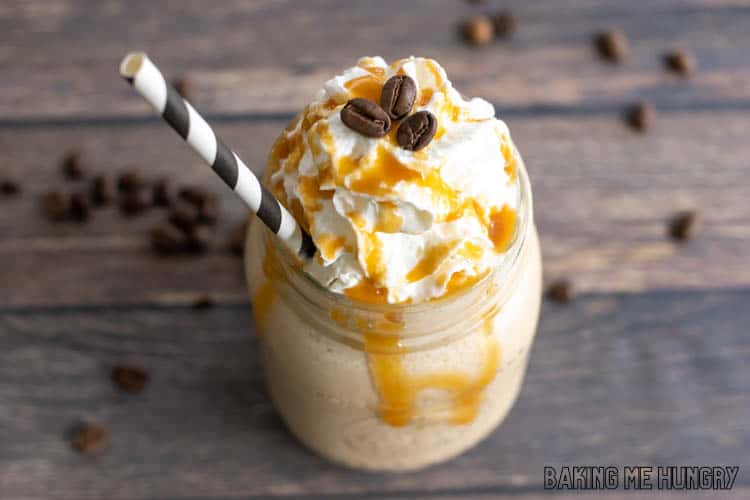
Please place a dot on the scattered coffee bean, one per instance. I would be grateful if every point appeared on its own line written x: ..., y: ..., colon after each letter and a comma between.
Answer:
x: 365, y: 117
x: 129, y: 378
x: 185, y: 216
x: 80, y: 207
x: 199, y: 240
x: 183, y: 87
x: 641, y: 116
x: 130, y: 180
x: 55, y: 206
x: 89, y: 438
x: 132, y: 203
x: 9, y: 187
x: 209, y: 211
x: 237, y: 239
x: 168, y: 239
x: 398, y: 96
x: 478, y: 31
x: 684, y: 225
x: 161, y: 193
x: 612, y: 45
x: 681, y: 62
x: 194, y: 195
x: 72, y: 166
x: 203, y: 302
x: 417, y: 131
x: 504, y: 23
x: 102, y: 190
x: 560, y: 291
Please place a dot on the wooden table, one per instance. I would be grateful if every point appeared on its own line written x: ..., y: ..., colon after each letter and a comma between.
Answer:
x: 649, y: 365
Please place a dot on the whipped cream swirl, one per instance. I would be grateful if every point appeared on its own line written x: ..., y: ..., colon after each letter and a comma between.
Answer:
x: 392, y: 225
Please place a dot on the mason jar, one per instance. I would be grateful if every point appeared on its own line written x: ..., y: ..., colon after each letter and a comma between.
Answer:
x: 395, y: 386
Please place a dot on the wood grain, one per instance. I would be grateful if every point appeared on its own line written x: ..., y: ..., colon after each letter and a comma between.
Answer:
x: 60, y: 57
x: 603, y: 195
x: 655, y: 378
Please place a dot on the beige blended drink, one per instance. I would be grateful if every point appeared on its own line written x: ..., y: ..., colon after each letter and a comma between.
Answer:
x: 405, y: 340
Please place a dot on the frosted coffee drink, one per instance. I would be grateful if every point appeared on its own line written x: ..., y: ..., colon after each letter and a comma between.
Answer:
x: 404, y: 341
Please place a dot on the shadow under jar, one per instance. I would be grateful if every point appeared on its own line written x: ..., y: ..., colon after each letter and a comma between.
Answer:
x: 397, y: 386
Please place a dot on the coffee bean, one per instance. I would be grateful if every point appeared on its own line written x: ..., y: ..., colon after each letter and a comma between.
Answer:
x: 9, y: 187
x: 366, y: 117
x: 681, y: 62
x: 130, y: 180
x: 612, y: 45
x: 684, y: 225
x: 560, y: 291
x: 641, y: 116
x: 203, y: 302
x: 183, y: 87
x: 199, y: 240
x: 504, y: 23
x: 209, y: 211
x: 193, y: 194
x: 80, y: 207
x: 132, y: 203
x: 417, y: 131
x: 185, y: 216
x: 102, y: 190
x: 72, y: 166
x: 129, y: 378
x: 161, y: 193
x: 55, y: 206
x: 237, y: 239
x: 478, y: 31
x: 168, y: 239
x: 398, y: 96
x: 89, y: 438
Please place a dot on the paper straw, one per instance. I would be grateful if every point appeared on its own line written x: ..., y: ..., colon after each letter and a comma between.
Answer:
x: 146, y: 78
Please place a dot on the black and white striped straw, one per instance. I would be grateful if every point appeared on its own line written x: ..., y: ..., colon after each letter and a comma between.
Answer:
x: 146, y: 78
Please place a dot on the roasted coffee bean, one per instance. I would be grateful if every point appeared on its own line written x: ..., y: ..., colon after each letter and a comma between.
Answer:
x: 478, y: 31
x: 560, y: 291
x: 641, y: 116
x: 612, y: 45
x: 9, y: 187
x: 417, y: 131
x: 129, y: 378
x: 199, y: 240
x: 132, y: 203
x: 80, y: 207
x: 168, y: 239
x: 398, y: 96
x: 681, y: 62
x: 193, y: 194
x: 366, y: 117
x: 504, y: 23
x: 237, y: 239
x: 684, y: 225
x: 55, y: 206
x: 102, y: 190
x: 203, y: 302
x: 72, y: 166
x: 185, y: 216
x: 161, y: 193
x: 89, y: 438
x: 209, y: 211
x: 130, y: 180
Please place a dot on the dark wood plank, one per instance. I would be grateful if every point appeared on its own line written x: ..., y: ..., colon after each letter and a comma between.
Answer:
x: 656, y: 378
x: 60, y: 57
x: 602, y: 197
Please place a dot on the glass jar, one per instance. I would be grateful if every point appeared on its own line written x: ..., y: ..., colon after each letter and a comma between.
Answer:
x: 396, y: 386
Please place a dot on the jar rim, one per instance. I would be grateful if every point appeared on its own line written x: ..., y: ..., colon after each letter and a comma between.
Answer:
x: 307, y: 286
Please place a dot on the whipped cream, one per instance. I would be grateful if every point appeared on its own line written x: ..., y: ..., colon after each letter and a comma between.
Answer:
x: 393, y: 225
